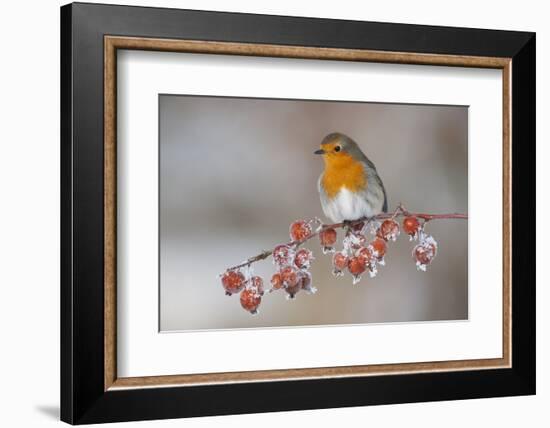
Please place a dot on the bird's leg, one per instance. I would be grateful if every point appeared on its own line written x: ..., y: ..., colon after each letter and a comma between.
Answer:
x: 346, y: 226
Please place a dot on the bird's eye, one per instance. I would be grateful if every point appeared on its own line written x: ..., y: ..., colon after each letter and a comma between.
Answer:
x: 337, y: 148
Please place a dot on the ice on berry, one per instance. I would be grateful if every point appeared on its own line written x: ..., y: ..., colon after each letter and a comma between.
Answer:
x: 283, y: 255
x: 327, y: 238
x: 250, y: 300
x: 411, y: 226
x: 293, y: 284
x: 425, y: 251
x: 303, y: 258
x: 304, y: 277
x: 340, y: 262
x: 300, y: 230
x: 389, y: 230
x: 276, y: 282
x: 233, y: 281
x: 256, y: 283
x: 356, y: 266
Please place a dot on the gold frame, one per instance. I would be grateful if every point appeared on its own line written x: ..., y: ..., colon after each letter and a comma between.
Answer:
x: 112, y: 43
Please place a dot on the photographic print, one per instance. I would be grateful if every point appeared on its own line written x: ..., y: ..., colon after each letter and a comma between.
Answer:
x: 283, y: 212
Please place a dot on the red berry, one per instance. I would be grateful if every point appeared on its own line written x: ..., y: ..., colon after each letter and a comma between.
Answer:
x: 378, y: 248
x: 283, y: 255
x: 425, y: 252
x: 293, y: 290
x: 328, y: 237
x: 276, y: 281
x: 257, y: 283
x: 300, y: 230
x: 357, y: 266
x: 250, y: 300
x: 411, y: 225
x: 233, y: 282
x: 366, y: 254
x: 295, y: 281
x: 289, y: 275
x: 291, y: 281
x: 389, y: 230
x: 340, y: 262
x: 303, y: 258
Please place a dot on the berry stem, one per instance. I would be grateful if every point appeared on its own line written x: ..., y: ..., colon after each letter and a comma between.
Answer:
x: 400, y: 211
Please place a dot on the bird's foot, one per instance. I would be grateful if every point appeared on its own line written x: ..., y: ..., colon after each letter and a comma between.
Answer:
x: 346, y: 226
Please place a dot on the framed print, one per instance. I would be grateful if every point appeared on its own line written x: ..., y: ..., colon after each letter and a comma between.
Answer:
x: 265, y: 213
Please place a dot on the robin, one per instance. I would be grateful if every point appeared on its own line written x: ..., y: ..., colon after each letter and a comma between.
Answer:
x: 350, y: 187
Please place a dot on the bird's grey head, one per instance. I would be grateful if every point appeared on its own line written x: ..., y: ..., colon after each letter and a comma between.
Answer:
x: 337, y: 142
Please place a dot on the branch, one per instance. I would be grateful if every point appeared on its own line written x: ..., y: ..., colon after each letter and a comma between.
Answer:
x: 400, y: 211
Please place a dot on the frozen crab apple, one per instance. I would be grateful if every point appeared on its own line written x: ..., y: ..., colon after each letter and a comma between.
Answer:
x: 276, y: 281
x: 327, y: 237
x: 356, y: 266
x: 340, y: 263
x: 389, y: 230
x: 411, y: 226
x: 233, y: 282
x: 283, y: 255
x: 291, y: 281
x: 250, y: 300
x: 378, y: 248
x: 293, y: 290
x: 425, y: 252
x: 365, y: 253
x: 303, y: 258
x: 300, y: 230
x: 289, y: 276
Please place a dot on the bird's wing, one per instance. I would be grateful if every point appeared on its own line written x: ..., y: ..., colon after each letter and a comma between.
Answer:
x: 372, y: 174
x: 379, y: 181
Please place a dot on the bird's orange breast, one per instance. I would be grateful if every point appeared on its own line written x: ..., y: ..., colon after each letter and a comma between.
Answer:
x: 343, y: 171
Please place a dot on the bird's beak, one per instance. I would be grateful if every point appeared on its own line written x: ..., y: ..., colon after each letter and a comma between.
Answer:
x: 319, y: 152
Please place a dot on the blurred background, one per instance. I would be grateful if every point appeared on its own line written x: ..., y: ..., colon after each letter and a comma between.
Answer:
x: 234, y: 173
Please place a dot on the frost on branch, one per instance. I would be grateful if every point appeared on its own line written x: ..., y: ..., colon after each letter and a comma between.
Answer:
x: 364, y: 247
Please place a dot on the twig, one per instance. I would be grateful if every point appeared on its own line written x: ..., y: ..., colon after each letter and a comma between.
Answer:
x: 400, y: 211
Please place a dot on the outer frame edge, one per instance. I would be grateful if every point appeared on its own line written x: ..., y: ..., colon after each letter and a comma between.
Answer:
x: 66, y: 304
x: 524, y: 219
x: 521, y: 377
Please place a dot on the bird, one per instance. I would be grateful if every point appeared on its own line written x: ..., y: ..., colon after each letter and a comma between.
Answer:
x: 349, y: 187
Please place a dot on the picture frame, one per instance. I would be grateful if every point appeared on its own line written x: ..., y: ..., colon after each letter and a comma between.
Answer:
x: 91, y: 390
